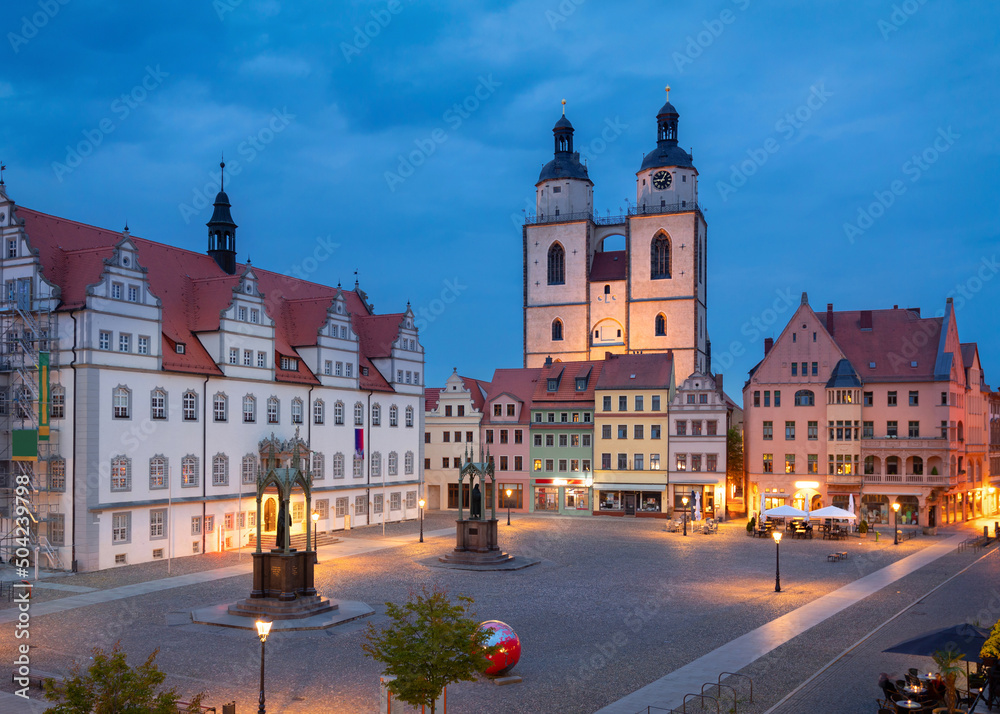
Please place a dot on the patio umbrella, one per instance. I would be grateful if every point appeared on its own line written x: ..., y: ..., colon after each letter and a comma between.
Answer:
x: 850, y: 504
x: 807, y: 509
x: 784, y: 512
x: 832, y: 512
x: 697, y: 506
x: 964, y: 638
x: 762, y: 514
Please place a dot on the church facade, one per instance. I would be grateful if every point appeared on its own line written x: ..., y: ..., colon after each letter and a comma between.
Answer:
x: 146, y: 377
x: 582, y: 301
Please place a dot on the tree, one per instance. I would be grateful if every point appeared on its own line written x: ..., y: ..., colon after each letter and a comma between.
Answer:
x: 430, y: 643
x: 949, y: 665
x: 110, y: 686
x: 734, y: 461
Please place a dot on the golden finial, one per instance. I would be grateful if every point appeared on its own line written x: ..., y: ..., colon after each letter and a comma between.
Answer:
x: 668, y: 92
x: 564, y: 107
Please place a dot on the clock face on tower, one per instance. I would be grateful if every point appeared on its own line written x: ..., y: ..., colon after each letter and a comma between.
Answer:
x: 662, y: 179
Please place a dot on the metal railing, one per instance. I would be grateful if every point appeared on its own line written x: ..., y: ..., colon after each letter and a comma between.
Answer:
x: 610, y: 220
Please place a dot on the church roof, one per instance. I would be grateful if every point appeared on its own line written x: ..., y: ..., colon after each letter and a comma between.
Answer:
x: 564, y: 165
x: 610, y: 265
x: 667, y: 154
x: 194, y: 291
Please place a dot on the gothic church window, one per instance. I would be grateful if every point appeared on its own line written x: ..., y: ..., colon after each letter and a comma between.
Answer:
x: 557, y: 265
x: 557, y: 330
x: 659, y: 258
x: 661, y: 325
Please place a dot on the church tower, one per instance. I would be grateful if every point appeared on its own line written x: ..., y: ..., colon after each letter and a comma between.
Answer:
x: 222, y: 230
x: 582, y: 301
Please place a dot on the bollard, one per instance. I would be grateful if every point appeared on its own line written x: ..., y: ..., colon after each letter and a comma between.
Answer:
x: 229, y: 708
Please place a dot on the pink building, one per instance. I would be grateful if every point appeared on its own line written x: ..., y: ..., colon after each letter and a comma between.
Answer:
x: 884, y: 405
x: 506, y: 421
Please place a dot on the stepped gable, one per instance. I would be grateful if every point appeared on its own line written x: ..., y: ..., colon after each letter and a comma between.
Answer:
x: 194, y: 290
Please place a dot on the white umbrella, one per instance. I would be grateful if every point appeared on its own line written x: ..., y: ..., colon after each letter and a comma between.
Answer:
x: 697, y: 506
x: 762, y: 515
x: 832, y: 512
x: 784, y: 512
x: 850, y: 504
x: 807, y: 508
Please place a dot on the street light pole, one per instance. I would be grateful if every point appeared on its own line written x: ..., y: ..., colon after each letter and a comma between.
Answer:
x: 777, y: 561
x: 508, y: 506
x: 421, y: 504
x: 315, y: 520
x: 263, y: 628
x: 684, y: 500
x: 895, y: 522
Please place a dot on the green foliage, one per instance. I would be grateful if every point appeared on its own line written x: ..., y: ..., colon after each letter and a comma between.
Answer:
x: 991, y: 648
x: 949, y: 666
x: 430, y: 643
x: 863, y: 527
x: 934, y: 471
x: 751, y: 524
x: 734, y: 458
x: 110, y: 686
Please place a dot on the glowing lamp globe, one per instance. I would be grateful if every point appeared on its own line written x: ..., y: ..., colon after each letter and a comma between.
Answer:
x: 509, y: 652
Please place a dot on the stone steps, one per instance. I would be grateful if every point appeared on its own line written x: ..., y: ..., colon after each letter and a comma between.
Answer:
x: 298, y: 540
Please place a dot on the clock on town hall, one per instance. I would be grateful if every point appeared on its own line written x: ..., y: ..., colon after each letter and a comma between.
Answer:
x: 662, y: 179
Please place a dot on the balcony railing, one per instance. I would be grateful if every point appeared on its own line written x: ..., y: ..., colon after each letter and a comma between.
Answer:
x: 609, y: 220
x: 913, y: 479
x: 906, y: 443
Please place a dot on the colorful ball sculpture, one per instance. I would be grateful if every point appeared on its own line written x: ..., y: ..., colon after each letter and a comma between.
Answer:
x: 509, y: 652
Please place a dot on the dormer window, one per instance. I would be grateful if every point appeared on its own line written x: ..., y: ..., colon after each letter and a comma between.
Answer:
x: 581, y: 384
x: 180, y: 348
x: 289, y: 364
x: 553, y: 385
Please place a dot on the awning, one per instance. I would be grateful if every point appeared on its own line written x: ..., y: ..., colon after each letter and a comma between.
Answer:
x: 630, y: 486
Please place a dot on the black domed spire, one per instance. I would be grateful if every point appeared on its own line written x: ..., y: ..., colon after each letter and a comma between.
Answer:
x: 666, y: 153
x: 222, y: 230
x: 566, y: 163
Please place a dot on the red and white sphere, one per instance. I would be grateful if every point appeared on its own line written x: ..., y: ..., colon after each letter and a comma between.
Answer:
x: 509, y: 651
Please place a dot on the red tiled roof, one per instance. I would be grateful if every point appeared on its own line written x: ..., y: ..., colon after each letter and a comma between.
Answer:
x: 609, y: 266
x: 194, y: 291
x: 567, y: 372
x: 477, y: 389
x: 892, y: 344
x: 431, y: 395
x: 519, y: 384
x: 639, y: 371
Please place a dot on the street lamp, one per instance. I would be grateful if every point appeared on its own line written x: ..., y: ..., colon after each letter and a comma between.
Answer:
x: 777, y: 561
x: 315, y: 518
x: 684, y: 500
x: 263, y: 628
x: 895, y: 521
x: 508, y: 505
x: 421, y: 503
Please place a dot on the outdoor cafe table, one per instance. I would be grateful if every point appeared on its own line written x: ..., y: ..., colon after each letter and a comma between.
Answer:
x: 907, y: 704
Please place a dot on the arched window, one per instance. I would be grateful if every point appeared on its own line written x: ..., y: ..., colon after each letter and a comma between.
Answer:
x: 158, y: 472
x: 318, y: 466
x: 376, y: 414
x: 296, y: 411
x: 57, y: 403
x: 189, y: 406
x: 120, y: 398
x: 338, y: 413
x: 220, y: 470
x: 359, y: 414
x: 892, y: 466
x: 557, y: 265
x: 918, y: 466
x: 121, y: 473
x: 393, y: 415
x: 409, y: 416
x: 661, y: 325
x: 220, y: 407
x: 557, y: 330
x: 393, y: 463
x: 376, y: 464
x: 158, y: 404
x: 805, y: 398
x: 189, y: 471
x: 272, y: 410
x: 338, y: 465
x: 249, y: 469
x: 869, y: 464
x: 961, y: 432
x: 408, y: 462
x: 319, y: 411
x: 659, y: 258
x: 249, y: 409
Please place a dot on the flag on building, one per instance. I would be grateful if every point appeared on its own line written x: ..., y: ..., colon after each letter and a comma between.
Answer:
x: 359, y: 442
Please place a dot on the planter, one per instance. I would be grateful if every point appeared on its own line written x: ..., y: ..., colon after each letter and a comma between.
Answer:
x: 928, y: 530
x: 862, y: 535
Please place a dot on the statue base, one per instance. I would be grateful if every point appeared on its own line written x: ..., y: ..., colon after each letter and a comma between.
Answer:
x: 476, y: 544
x: 283, y: 587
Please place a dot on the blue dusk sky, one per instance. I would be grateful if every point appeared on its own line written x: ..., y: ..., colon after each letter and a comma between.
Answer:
x: 848, y: 150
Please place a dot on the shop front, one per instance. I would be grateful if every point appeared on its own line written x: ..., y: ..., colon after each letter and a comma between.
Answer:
x: 711, y: 496
x: 629, y: 499
x: 569, y: 497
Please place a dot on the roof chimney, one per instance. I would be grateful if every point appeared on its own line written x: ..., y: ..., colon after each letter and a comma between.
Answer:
x: 829, y: 318
x: 768, y: 344
x: 866, y: 319
x: 548, y: 361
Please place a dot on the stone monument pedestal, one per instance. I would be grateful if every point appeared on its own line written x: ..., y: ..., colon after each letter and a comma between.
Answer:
x: 283, y: 587
x: 476, y: 544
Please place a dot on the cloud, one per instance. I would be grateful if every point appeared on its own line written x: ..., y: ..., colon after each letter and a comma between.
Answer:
x: 276, y: 66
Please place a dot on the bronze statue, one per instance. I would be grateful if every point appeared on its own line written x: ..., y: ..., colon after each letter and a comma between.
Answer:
x: 476, y: 507
x: 284, y: 524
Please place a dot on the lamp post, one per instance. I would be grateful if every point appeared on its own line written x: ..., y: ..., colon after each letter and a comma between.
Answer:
x: 508, y: 505
x: 263, y: 628
x: 315, y: 519
x: 777, y: 561
x: 421, y: 503
x: 895, y: 522
x: 684, y: 500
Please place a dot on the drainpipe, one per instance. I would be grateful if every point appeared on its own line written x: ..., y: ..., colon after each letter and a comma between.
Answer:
x: 72, y: 517
x: 204, y: 457
x: 368, y: 461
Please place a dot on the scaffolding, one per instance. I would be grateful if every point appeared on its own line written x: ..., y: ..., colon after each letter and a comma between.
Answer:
x: 29, y: 343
